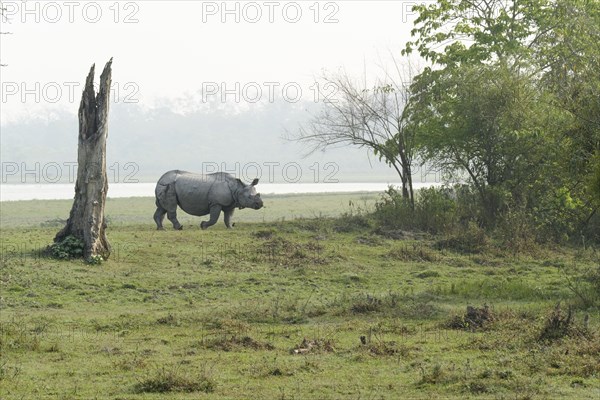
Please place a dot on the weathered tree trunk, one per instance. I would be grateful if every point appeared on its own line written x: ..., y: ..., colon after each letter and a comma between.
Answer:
x: 86, y: 221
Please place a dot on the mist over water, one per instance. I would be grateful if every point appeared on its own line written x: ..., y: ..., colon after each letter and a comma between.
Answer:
x: 60, y: 191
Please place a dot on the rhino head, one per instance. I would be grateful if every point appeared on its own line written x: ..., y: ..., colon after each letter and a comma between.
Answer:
x: 247, y: 196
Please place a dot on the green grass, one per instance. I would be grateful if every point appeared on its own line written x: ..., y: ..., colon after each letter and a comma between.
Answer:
x: 288, y: 308
x: 139, y: 210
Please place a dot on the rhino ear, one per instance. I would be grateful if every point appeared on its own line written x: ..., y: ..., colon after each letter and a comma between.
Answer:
x: 240, y: 182
x: 254, y: 182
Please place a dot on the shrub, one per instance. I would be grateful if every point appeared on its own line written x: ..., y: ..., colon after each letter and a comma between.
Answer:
x: 394, y: 211
x: 350, y: 222
x: 591, y: 230
x: 585, y: 285
x: 469, y: 240
x: 419, y: 306
x: 473, y: 320
x: 70, y: 247
x: 516, y: 232
x: 366, y: 304
x: 172, y: 380
x: 557, y: 325
x: 556, y: 214
x: 434, y: 210
x: 234, y: 343
x: 435, y: 376
x: 415, y: 252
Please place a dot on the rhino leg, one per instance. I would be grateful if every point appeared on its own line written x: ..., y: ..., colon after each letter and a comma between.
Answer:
x: 159, y: 217
x: 215, y: 211
x: 166, y: 202
x: 228, y: 214
x: 172, y: 216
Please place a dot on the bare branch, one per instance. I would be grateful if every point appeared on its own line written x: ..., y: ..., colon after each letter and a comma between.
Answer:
x: 364, y: 116
x: 3, y: 19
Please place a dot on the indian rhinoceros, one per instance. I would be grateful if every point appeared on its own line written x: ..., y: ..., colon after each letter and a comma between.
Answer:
x: 198, y: 194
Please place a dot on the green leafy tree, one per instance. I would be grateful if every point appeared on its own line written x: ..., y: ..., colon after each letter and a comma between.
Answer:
x: 511, y: 100
x: 487, y: 122
x: 569, y: 58
x: 454, y: 32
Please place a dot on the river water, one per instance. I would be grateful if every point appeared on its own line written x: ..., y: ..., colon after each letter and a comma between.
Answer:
x: 15, y: 192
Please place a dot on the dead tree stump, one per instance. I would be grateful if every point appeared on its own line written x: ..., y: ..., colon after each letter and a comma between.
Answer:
x: 86, y: 220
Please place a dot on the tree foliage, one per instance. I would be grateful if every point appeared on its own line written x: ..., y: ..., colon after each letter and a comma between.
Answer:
x: 456, y: 32
x: 512, y: 102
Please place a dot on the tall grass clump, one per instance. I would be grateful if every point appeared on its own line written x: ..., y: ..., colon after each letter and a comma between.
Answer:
x: 434, y: 210
x: 173, y: 379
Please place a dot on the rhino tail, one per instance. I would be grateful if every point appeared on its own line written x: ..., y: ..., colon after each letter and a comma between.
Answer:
x: 160, y: 194
x: 166, y: 196
x: 157, y: 202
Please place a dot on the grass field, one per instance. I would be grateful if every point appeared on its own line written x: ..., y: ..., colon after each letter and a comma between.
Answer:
x: 283, y: 307
x: 139, y: 210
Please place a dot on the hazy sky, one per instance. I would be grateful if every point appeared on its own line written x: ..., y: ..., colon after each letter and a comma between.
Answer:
x: 175, y: 49
x: 194, y: 81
